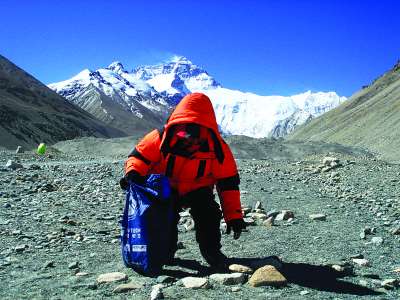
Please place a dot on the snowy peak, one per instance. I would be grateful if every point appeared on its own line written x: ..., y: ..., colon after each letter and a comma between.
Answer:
x: 179, y: 73
x: 116, y: 67
x: 180, y: 59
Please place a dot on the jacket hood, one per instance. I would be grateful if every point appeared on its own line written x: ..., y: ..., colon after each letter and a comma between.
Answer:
x: 193, y: 108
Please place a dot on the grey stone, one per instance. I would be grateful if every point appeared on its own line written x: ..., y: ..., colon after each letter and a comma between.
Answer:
x: 19, y: 150
x: 229, y: 279
x: 284, y: 215
x: 49, y: 264
x: 395, y: 231
x: 235, y: 289
x: 165, y: 279
x: 390, y: 283
x: 189, y: 225
x: 258, y: 205
x: 73, y: 265
x: 272, y: 213
x: 21, y: 248
x: 126, y: 287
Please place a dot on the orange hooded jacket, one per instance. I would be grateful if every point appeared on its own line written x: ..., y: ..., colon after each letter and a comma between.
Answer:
x: 216, y: 167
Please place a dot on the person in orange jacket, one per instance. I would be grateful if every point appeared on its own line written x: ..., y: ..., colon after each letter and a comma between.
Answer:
x: 190, y: 151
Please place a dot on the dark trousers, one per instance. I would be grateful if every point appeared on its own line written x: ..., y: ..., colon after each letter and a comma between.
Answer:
x: 207, y: 217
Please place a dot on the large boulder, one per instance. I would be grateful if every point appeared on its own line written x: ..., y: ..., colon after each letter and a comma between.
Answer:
x: 267, y: 276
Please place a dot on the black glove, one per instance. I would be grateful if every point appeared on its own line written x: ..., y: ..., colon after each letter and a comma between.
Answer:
x: 131, y: 176
x: 237, y: 225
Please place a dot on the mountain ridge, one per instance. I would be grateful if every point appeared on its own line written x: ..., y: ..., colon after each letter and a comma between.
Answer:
x: 237, y: 112
x: 31, y: 113
x: 368, y: 119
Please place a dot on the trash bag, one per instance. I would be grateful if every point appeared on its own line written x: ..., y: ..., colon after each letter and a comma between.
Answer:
x: 41, y: 149
x: 146, y: 225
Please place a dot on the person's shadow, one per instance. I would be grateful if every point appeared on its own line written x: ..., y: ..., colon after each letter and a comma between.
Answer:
x: 322, y: 278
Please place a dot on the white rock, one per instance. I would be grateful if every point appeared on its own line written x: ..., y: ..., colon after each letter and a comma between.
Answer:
x: 195, y: 282
x: 240, y: 269
x: 318, y: 217
x: 338, y: 268
x: 377, y: 240
x: 361, y: 262
x: 111, y: 277
x: 303, y: 293
x: 229, y: 279
x: 328, y: 160
x: 249, y: 221
x: 156, y: 292
x: 13, y: 165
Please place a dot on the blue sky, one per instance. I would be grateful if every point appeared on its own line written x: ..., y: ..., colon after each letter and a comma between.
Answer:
x: 267, y: 47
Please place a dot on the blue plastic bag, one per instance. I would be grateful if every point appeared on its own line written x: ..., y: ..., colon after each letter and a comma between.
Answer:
x: 146, y: 225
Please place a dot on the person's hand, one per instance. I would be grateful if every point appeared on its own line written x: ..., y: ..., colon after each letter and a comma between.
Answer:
x: 237, y: 225
x: 132, y: 176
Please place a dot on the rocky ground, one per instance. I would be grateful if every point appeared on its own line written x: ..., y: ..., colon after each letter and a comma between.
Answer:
x: 334, y: 223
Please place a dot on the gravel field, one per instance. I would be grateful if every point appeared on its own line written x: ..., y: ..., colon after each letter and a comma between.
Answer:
x: 59, y: 230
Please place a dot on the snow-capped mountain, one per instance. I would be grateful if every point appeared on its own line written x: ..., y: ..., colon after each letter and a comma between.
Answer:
x: 117, y: 97
x: 149, y: 92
